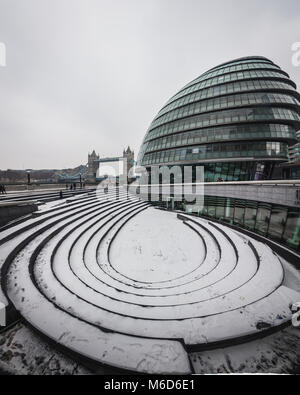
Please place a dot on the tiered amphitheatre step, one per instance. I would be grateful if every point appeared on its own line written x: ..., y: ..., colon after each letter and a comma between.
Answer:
x: 14, y: 237
x: 45, y: 196
x: 135, y: 287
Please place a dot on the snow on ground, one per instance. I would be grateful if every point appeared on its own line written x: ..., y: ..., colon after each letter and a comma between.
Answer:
x: 22, y: 352
x: 130, y: 280
x: 49, y: 205
x: 9, y: 246
x: 278, y: 354
x: 291, y: 276
x: 146, y: 250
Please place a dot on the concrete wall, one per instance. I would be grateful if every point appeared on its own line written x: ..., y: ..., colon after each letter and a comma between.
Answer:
x: 283, y: 195
x: 275, y: 193
x: 10, y: 212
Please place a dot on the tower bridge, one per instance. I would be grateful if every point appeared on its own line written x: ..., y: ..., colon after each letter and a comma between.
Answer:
x: 94, y: 161
x: 109, y: 160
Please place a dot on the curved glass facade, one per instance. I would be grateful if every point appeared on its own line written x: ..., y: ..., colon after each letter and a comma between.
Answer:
x: 244, y: 110
x: 223, y: 89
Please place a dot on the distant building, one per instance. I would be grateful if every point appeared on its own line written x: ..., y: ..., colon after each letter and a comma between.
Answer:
x: 93, y: 167
x: 94, y: 162
x: 128, y: 164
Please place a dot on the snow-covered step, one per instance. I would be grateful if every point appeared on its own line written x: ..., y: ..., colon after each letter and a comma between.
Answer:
x: 46, y: 213
x: 108, y: 304
x: 13, y: 238
x: 105, y: 270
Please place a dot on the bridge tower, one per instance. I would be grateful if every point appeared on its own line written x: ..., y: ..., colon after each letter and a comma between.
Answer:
x: 128, y: 164
x: 93, y: 167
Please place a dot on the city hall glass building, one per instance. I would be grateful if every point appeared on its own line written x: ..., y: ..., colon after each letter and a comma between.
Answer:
x: 237, y: 120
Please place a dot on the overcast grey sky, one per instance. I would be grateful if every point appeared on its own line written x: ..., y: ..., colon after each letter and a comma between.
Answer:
x: 92, y: 74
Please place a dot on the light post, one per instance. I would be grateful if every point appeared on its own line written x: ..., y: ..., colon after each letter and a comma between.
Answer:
x: 28, y: 178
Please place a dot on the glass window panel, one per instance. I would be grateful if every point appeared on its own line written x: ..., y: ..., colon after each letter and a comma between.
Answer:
x: 250, y: 215
x: 239, y: 212
x: 263, y: 218
x: 277, y: 222
x: 292, y: 229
